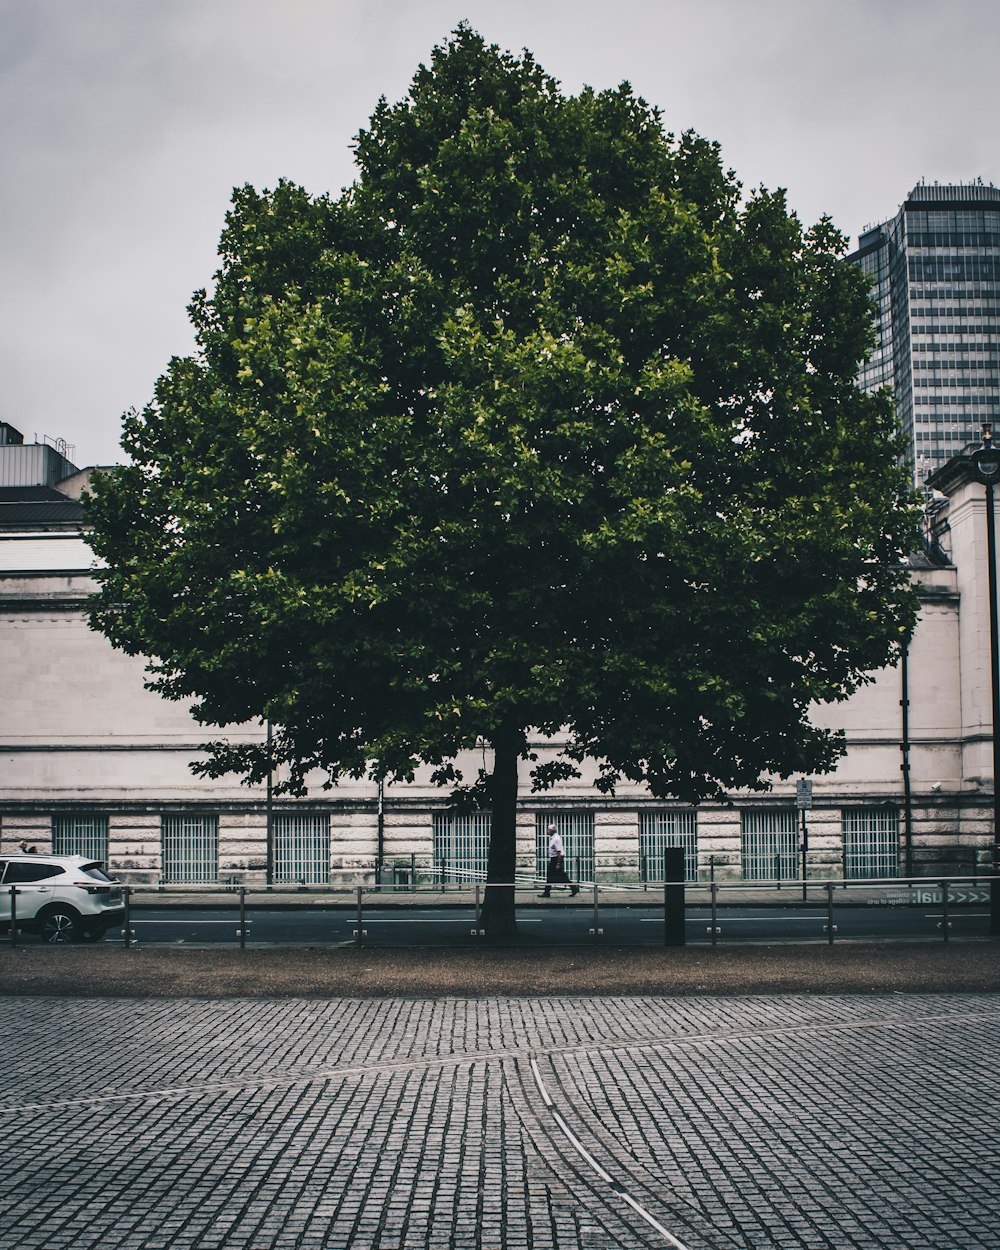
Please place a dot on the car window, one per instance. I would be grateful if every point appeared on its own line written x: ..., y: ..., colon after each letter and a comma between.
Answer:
x: 94, y: 870
x: 18, y: 870
x: 3, y: 866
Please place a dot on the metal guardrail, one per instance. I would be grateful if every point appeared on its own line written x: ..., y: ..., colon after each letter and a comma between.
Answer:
x: 952, y: 894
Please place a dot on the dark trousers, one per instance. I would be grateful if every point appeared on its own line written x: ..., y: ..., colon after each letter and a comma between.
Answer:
x: 555, y: 874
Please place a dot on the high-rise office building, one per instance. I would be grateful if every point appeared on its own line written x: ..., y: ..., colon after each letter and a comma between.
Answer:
x: 936, y: 269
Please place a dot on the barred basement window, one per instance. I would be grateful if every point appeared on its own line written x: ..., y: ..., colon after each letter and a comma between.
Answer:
x: 577, y: 832
x: 81, y: 835
x: 871, y: 842
x: 461, y: 846
x: 190, y: 847
x: 301, y: 849
x: 770, y: 844
x: 657, y: 831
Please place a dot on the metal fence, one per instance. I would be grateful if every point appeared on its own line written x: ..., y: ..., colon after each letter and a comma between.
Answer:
x: 81, y: 835
x: 461, y: 846
x: 709, y: 913
x: 301, y: 849
x: 190, y: 849
x: 657, y: 831
x: 770, y: 843
x: 871, y: 842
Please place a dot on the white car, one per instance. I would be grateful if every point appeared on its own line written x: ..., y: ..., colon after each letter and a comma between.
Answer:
x: 62, y: 898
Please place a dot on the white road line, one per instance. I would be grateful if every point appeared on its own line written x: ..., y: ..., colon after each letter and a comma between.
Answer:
x: 585, y: 1154
x: 744, y: 919
x: 134, y: 923
x: 962, y: 915
x: 368, y: 920
x: 379, y: 920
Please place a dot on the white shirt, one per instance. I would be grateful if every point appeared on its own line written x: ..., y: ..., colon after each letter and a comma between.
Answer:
x: 555, y: 846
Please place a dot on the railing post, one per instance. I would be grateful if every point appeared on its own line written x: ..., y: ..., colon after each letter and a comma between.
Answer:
x: 995, y: 898
x: 673, y: 896
x: 243, y: 917
x: 360, y: 910
x: 945, y: 922
x: 597, y: 917
x: 829, y: 913
x: 478, y: 908
x: 777, y: 868
x: 13, y: 915
x: 715, y: 910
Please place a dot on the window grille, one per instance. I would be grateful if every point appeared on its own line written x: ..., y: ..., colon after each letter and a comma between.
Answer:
x: 871, y: 842
x: 657, y: 831
x: 190, y: 846
x: 577, y: 832
x: 770, y: 844
x: 301, y: 849
x: 461, y: 845
x: 81, y: 835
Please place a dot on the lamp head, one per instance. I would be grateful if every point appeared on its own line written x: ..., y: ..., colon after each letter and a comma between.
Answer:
x: 986, y: 460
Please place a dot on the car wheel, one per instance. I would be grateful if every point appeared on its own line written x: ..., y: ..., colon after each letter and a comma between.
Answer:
x: 59, y: 925
x: 91, y: 935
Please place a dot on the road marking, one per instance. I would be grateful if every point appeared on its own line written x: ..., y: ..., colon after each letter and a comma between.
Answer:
x: 368, y: 920
x: 191, y: 920
x: 379, y: 920
x: 741, y: 919
x: 962, y: 915
x: 585, y: 1154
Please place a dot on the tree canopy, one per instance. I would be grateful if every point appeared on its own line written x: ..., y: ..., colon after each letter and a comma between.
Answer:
x: 540, y: 424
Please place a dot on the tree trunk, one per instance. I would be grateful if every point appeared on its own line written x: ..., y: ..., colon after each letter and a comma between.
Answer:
x: 498, y: 917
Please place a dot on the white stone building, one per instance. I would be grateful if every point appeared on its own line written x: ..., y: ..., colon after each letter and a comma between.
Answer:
x: 91, y: 760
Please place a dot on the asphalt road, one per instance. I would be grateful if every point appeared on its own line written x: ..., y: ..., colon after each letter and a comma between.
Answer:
x: 567, y: 923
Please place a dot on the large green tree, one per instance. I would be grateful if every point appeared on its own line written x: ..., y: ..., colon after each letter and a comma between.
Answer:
x: 539, y: 425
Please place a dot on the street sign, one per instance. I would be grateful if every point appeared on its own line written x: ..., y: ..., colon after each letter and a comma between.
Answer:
x: 957, y: 895
x: 803, y: 795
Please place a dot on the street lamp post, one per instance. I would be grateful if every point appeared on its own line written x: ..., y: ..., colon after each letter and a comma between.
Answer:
x: 986, y: 462
x: 269, y: 801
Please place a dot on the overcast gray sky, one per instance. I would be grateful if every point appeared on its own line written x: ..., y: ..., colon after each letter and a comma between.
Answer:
x: 126, y: 124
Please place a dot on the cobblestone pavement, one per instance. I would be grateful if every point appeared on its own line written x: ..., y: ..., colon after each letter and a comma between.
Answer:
x: 773, y: 1121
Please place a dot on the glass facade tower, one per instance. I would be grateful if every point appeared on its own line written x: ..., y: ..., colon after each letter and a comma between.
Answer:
x: 936, y: 273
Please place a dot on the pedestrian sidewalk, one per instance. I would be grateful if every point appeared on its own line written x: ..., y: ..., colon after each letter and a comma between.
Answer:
x: 964, y: 892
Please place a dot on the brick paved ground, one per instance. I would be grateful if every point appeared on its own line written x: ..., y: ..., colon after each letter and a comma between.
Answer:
x: 771, y: 1121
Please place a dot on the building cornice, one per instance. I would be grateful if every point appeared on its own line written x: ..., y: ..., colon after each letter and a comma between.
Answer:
x: 954, y: 473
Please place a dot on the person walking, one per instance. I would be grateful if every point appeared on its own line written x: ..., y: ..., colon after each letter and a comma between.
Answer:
x: 556, y: 874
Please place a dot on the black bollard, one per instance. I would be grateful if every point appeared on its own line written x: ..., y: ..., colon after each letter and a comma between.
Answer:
x: 995, y: 899
x: 673, y: 896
